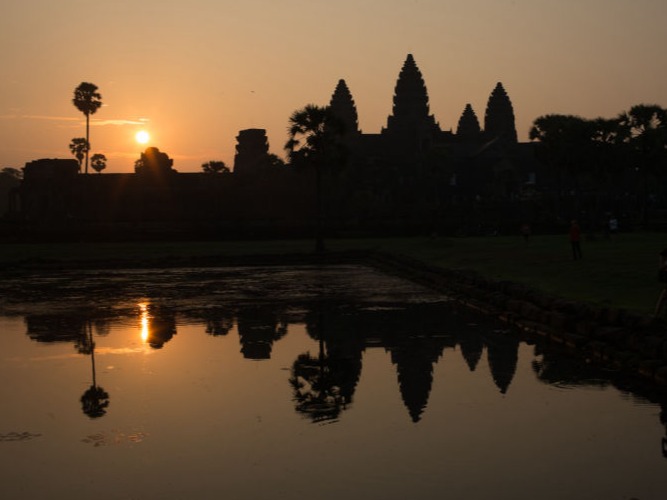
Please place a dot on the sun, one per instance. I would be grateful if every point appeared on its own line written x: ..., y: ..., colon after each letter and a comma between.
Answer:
x: 142, y: 137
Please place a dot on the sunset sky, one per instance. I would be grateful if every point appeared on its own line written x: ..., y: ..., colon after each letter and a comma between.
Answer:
x: 193, y: 73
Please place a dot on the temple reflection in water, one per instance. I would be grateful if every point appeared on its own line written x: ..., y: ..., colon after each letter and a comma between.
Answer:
x: 417, y: 337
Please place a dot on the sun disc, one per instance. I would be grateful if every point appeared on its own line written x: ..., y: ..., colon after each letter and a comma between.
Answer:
x: 142, y: 137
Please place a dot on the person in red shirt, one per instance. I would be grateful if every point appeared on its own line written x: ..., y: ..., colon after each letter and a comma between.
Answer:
x: 575, y: 240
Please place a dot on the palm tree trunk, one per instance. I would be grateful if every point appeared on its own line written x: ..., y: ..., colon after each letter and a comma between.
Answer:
x: 89, y: 327
x: 87, y: 139
x: 319, y: 238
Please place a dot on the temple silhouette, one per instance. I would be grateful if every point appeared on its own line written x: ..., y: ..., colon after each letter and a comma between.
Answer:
x: 412, y: 177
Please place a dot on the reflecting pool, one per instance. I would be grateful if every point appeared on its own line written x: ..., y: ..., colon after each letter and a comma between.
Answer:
x: 300, y: 382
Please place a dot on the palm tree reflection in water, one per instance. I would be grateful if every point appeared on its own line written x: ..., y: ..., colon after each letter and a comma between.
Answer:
x: 316, y: 392
x: 95, y: 400
x: 324, y: 386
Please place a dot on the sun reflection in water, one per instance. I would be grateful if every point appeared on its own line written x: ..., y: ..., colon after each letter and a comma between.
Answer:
x: 143, y: 308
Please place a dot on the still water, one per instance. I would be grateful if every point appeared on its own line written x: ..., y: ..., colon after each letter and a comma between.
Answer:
x: 300, y: 382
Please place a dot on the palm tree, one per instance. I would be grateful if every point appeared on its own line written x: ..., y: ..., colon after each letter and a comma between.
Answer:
x: 87, y: 100
x: 315, y: 141
x: 98, y: 162
x: 79, y: 148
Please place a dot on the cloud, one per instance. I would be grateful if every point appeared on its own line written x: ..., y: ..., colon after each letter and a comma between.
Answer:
x: 100, y: 123
x: 69, y: 119
x: 40, y: 117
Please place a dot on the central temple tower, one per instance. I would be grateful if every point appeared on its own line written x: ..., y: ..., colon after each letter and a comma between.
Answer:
x: 411, y: 127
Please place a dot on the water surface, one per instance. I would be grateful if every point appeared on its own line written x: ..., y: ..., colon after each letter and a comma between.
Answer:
x: 300, y: 382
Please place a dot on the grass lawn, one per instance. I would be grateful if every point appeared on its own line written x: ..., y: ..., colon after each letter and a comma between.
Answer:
x: 617, y: 272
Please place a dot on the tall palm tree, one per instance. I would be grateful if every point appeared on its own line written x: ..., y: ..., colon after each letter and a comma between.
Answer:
x: 315, y: 135
x: 79, y: 148
x: 87, y: 100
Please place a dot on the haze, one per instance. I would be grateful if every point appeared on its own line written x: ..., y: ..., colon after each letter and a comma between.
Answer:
x: 195, y: 73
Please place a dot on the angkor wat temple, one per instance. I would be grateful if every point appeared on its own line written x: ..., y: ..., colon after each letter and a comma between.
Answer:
x: 411, y: 178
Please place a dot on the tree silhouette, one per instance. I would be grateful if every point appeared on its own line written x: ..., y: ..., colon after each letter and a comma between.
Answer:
x: 95, y: 401
x: 565, y: 146
x: 609, y: 157
x: 215, y: 167
x: 315, y: 141
x: 275, y: 161
x: 154, y: 163
x: 87, y: 100
x: 12, y: 172
x: 98, y: 162
x: 79, y: 148
x: 561, y: 139
x: 10, y: 178
x: 644, y: 130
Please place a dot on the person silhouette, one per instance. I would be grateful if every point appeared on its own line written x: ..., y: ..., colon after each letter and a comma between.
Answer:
x: 525, y: 231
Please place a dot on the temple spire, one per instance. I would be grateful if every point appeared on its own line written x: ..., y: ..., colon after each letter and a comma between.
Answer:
x: 410, y: 116
x: 342, y: 105
x: 499, y: 118
x: 468, y: 127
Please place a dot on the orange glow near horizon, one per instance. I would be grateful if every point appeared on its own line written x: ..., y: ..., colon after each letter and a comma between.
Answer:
x: 195, y: 93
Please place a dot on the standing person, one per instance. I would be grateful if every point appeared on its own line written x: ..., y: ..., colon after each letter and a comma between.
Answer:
x: 525, y: 231
x: 575, y: 240
x: 662, y: 278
